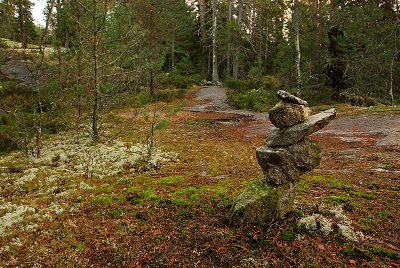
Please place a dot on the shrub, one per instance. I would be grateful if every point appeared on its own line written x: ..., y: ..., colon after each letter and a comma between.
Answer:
x: 177, y: 80
x: 239, y: 85
x: 255, y: 100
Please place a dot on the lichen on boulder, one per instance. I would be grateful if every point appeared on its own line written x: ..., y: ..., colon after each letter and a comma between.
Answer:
x: 286, y: 114
x: 261, y: 203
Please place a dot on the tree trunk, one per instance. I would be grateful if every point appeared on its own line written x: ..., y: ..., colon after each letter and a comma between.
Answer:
x: 266, y: 48
x: 152, y: 88
x: 205, y: 68
x: 173, y: 52
x: 395, y: 52
x: 46, y: 28
x: 228, y: 52
x: 215, y: 77
x: 96, y: 90
x: 235, y: 71
x: 79, y: 71
x: 24, y: 41
x: 59, y: 44
x: 297, y: 43
x: 202, y: 11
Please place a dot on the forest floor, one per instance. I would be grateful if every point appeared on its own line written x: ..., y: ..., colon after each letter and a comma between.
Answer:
x: 175, y: 216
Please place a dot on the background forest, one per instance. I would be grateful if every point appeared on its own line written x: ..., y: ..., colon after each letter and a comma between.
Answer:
x: 106, y: 52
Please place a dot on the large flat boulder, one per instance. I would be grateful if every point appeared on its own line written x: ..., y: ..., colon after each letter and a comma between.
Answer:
x: 286, y: 114
x: 262, y: 203
x: 20, y: 70
x: 292, y: 135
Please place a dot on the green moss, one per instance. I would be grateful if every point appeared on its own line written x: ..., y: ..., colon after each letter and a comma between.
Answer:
x: 382, y: 109
x: 80, y: 247
x: 384, y: 214
x: 288, y: 236
x: 183, y: 213
x: 160, y: 237
x: 354, y: 252
x: 104, y: 199
x: 117, y: 213
x: 299, y: 213
x: 151, y: 195
x: 317, y: 178
x: 339, y: 184
x: 171, y: 180
x: 262, y: 203
x: 194, y: 197
x: 303, y: 185
x: 385, y: 253
x: 187, y: 190
x: 362, y: 194
x: 132, y: 190
x: 216, y: 191
x: 337, y: 200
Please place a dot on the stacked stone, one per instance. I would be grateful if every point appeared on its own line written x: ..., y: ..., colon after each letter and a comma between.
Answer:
x: 287, y: 155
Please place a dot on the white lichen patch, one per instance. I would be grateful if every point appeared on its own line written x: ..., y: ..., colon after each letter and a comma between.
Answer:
x: 325, y: 221
x: 29, y: 175
x: 13, y: 217
x: 317, y: 223
x: 84, y: 186
x: 81, y: 158
x: 57, y: 209
x: 45, y: 189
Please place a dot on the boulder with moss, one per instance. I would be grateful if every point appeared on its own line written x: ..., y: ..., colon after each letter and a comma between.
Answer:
x: 262, y: 203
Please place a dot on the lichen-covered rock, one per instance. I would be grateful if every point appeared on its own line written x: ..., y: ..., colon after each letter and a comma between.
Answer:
x: 286, y: 96
x: 278, y: 165
x: 292, y: 135
x: 262, y: 203
x: 286, y: 164
x: 286, y: 114
x: 306, y: 154
x: 20, y: 70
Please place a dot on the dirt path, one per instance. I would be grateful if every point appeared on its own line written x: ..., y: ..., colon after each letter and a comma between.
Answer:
x: 214, y: 100
x: 383, y: 128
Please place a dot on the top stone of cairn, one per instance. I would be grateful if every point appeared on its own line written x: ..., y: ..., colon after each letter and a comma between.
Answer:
x: 287, y: 97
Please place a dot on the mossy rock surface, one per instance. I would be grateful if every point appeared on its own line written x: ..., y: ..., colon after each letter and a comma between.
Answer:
x: 262, y: 203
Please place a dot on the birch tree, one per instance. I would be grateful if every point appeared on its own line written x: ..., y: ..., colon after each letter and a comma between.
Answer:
x: 297, y: 43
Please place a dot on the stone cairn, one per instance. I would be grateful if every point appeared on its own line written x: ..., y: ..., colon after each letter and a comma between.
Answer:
x: 287, y: 155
